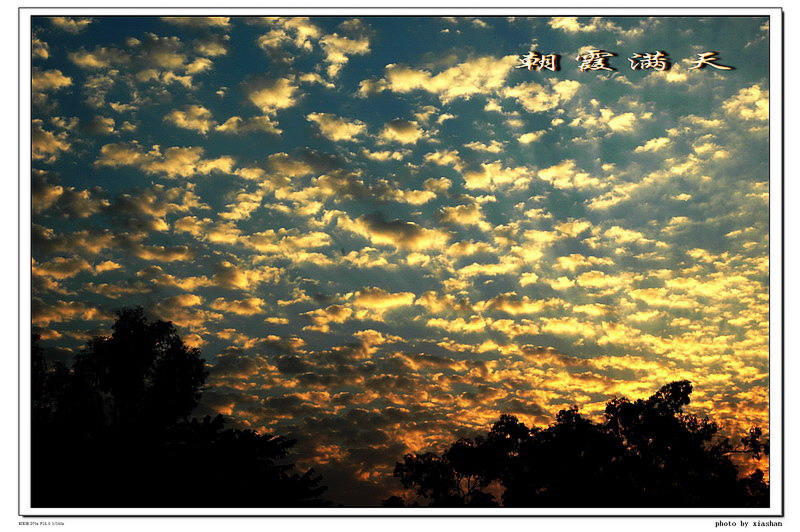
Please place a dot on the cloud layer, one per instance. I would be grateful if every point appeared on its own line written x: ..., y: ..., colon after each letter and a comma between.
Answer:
x: 388, y: 246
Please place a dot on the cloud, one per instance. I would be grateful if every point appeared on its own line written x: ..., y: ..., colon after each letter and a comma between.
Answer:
x: 438, y: 186
x: 302, y: 162
x: 751, y: 103
x: 242, y: 307
x: 414, y: 197
x: 141, y: 65
x: 57, y: 311
x: 445, y: 158
x: 481, y: 75
x: 511, y: 303
x: 243, y: 206
x: 237, y: 125
x: 572, y: 227
x: 199, y: 22
x: 48, y: 80
x: 493, y: 146
x: 193, y: 117
x: 147, y: 209
x: 68, y: 202
x: 565, y: 175
x: 606, y: 120
x: 96, y: 88
x: 272, y: 95
x: 155, y: 275
x: 323, y: 317
x: 339, y: 48
x: 431, y: 263
x: 336, y: 128
x: 45, y: 145
x: 39, y: 49
x: 402, y: 131
x: 472, y: 325
x: 661, y: 297
x: 90, y: 242
x: 575, y: 260
x: 493, y: 175
x: 298, y: 30
x: 212, y: 45
x: 568, y: 326
x: 161, y: 253
x: 676, y: 74
x: 573, y: 26
x: 290, y: 244
x: 537, y: 98
x: 653, y: 145
x: 506, y: 265
x: 601, y: 280
x: 400, y: 234
x: 121, y: 154
x: 71, y: 24
x: 625, y: 236
x: 179, y: 301
x: 385, y: 155
x: 60, y: 267
x: 216, y: 232
x: 99, y: 58
x: 234, y: 363
x: 533, y: 136
x: 99, y: 125
x: 173, y: 162
x: 229, y: 275
x: 376, y: 298
x: 464, y: 215
x: 570, y: 24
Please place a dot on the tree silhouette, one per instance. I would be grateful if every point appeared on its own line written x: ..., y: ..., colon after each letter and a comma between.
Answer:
x: 454, y: 479
x: 142, y: 374
x: 115, y: 431
x: 645, y: 453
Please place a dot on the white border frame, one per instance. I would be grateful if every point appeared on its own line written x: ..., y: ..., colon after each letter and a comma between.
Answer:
x: 775, y: 288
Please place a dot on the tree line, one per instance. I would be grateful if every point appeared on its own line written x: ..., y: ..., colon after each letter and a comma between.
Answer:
x: 116, y: 430
x: 644, y: 453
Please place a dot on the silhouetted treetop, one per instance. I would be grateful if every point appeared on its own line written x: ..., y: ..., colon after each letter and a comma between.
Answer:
x: 115, y: 431
x: 645, y: 453
x: 143, y: 370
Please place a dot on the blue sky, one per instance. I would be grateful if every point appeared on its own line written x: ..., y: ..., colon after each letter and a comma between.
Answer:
x: 382, y: 233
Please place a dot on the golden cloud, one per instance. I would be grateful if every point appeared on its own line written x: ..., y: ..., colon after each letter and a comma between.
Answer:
x: 375, y: 298
x: 336, y: 128
x: 402, y: 131
x: 397, y: 233
x: 242, y: 307
x: 481, y: 75
x: 193, y: 117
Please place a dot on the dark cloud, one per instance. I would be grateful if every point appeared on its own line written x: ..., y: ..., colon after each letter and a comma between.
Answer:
x: 236, y: 363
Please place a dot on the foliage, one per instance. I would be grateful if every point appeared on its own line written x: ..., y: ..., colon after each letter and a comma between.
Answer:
x: 645, y: 453
x: 115, y: 431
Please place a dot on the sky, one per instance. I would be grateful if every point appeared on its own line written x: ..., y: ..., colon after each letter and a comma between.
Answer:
x: 382, y: 234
